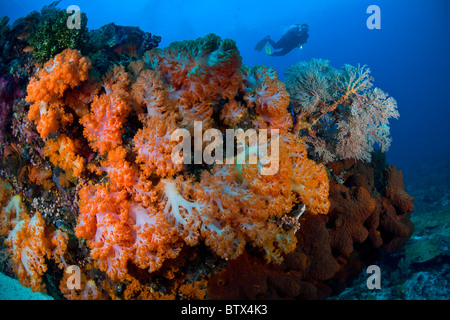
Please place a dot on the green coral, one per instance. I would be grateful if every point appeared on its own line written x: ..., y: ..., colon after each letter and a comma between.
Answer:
x: 53, y: 36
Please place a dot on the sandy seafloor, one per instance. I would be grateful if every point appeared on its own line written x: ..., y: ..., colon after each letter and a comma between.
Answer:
x: 10, y: 289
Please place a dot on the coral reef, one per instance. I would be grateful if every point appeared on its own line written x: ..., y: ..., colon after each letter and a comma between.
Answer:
x: 331, y: 249
x: 88, y: 176
x: 153, y: 209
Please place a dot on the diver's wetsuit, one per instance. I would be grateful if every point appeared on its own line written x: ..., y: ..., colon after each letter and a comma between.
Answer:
x: 293, y: 38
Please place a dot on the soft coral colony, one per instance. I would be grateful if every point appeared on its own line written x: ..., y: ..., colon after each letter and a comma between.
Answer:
x: 147, y: 208
x: 103, y: 148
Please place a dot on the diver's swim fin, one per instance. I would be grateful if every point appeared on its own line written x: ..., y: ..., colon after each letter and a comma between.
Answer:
x: 268, y: 50
x: 260, y: 45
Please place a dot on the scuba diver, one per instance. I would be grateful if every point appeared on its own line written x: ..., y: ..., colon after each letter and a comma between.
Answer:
x: 295, y: 37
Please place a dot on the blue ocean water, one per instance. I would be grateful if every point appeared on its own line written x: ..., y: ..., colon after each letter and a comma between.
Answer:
x: 408, y: 56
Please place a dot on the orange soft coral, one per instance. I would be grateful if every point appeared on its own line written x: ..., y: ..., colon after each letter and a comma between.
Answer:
x: 154, y: 239
x: 225, y: 206
x: 121, y: 173
x: 152, y: 206
x: 118, y: 231
x: 232, y: 112
x: 268, y: 96
x: 201, y: 69
x: 41, y: 177
x: 154, y: 147
x: 103, y: 126
x: 59, y: 240
x: 190, y: 112
x: 88, y: 289
x: 297, y: 176
x: 117, y: 80
x: 29, y: 248
x: 150, y: 94
x: 64, y: 154
x: 12, y: 211
x: 274, y: 196
x: 81, y: 97
x: 199, y: 73
x: 194, y: 291
x: 46, y: 90
x: 309, y: 180
x: 103, y: 223
x: 234, y: 214
x: 178, y: 208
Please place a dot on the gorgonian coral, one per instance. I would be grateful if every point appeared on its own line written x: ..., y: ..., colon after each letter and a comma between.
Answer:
x: 338, y: 113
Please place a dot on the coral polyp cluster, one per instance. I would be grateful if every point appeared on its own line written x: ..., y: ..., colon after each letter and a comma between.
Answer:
x: 88, y: 177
